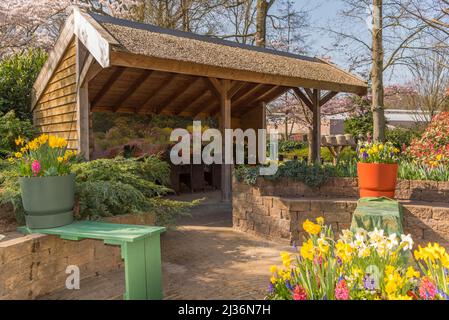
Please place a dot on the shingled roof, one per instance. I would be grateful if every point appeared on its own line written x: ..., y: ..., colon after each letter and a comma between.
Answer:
x: 152, y: 41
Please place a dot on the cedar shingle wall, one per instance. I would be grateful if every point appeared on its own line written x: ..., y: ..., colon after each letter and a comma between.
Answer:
x: 55, y: 111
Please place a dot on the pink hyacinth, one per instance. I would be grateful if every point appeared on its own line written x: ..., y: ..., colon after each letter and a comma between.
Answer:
x: 341, y: 290
x: 299, y: 293
x: 427, y: 290
x: 35, y: 167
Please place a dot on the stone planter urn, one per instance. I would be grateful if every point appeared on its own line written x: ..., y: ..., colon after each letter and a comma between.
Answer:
x: 48, y: 201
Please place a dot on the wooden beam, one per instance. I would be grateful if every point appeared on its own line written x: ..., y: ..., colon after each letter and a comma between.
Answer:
x: 186, y: 67
x: 166, y: 82
x: 169, y: 101
x: 225, y: 123
x: 235, y: 88
x: 96, y: 39
x: 316, y: 127
x: 192, y: 102
x: 82, y: 100
x: 328, y: 96
x: 302, y: 97
x: 112, y: 79
x: 247, y: 95
x: 131, y: 89
x: 214, y: 86
x: 273, y: 94
x: 210, y: 105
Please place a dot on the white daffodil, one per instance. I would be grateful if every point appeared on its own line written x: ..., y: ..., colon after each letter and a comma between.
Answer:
x: 376, y: 236
x: 406, y: 242
x: 359, y: 241
x: 381, y: 248
x: 364, y: 252
x: 346, y: 236
x: 392, y: 241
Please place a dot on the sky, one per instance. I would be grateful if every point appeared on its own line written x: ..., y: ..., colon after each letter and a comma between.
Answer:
x: 324, y: 12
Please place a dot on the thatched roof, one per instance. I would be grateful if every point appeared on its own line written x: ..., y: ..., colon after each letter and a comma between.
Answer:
x: 152, y: 41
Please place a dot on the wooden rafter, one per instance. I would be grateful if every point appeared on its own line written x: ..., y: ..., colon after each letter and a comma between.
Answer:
x: 247, y: 95
x: 300, y: 95
x: 132, y: 88
x: 191, y: 102
x: 164, y: 83
x: 112, y: 79
x: 214, y: 86
x: 210, y: 104
x: 236, y: 87
x: 328, y: 96
x: 171, y: 99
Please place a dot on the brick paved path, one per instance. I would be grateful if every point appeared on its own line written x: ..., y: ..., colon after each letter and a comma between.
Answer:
x: 204, y: 258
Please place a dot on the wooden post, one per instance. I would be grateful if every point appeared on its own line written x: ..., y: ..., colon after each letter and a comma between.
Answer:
x: 82, y: 100
x: 225, y: 123
x: 316, y: 126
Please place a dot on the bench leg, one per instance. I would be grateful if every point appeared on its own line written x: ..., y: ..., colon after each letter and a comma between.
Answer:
x: 143, y: 274
x: 133, y: 255
x: 153, y: 267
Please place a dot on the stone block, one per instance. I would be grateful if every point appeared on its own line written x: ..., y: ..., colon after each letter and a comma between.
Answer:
x: 299, y: 205
x: 440, y: 213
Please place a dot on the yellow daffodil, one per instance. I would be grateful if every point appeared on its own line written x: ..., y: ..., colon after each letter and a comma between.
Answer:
x: 60, y: 159
x: 412, y: 273
x: 311, y: 227
x: 57, y: 142
x: 20, y: 141
x: 273, y: 280
x: 323, y: 245
x: 320, y: 221
x: 43, y: 139
x: 344, y: 251
x: 307, y: 250
x: 273, y: 269
x: 18, y: 155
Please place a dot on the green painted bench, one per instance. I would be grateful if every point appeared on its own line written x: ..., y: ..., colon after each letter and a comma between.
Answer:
x: 140, y: 249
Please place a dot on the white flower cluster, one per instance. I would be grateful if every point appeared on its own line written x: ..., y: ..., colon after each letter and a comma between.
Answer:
x: 363, y: 241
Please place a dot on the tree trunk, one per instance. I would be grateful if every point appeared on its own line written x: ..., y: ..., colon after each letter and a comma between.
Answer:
x: 310, y: 143
x: 261, y: 21
x: 377, y: 74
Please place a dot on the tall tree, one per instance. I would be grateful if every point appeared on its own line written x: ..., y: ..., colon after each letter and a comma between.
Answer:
x: 377, y: 68
x: 261, y: 21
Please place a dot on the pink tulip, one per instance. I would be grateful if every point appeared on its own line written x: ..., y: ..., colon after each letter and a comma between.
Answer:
x: 35, y: 167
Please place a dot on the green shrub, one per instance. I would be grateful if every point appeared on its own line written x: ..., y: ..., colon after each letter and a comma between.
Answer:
x: 17, y: 75
x: 400, y: 136
x: 288, y: 145
x: 312, y: 175
x: 12, y: 127
x: 109, y: 187
x: 414, y: 171
x: 359, y: 125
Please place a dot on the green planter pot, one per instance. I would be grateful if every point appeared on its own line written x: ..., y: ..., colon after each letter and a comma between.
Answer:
x: 48, y: 201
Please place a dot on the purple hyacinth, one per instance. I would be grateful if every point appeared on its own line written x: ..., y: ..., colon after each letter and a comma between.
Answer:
x: 288, y: 285
x: 365, y: 155
x: 270, y: 288
x: 369, y: 283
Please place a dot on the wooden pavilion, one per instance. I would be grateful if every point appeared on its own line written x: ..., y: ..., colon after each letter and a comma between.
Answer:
x: 104, y: 64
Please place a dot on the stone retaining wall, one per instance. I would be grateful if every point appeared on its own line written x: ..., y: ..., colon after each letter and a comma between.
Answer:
x: 35, y: 265
x: 280, y: 216
x: 429, y: 191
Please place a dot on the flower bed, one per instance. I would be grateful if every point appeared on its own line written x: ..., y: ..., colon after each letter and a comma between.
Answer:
x: 360, y: 266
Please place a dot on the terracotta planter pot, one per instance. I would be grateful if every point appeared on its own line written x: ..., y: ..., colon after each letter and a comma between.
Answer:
x: 377, y: 179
